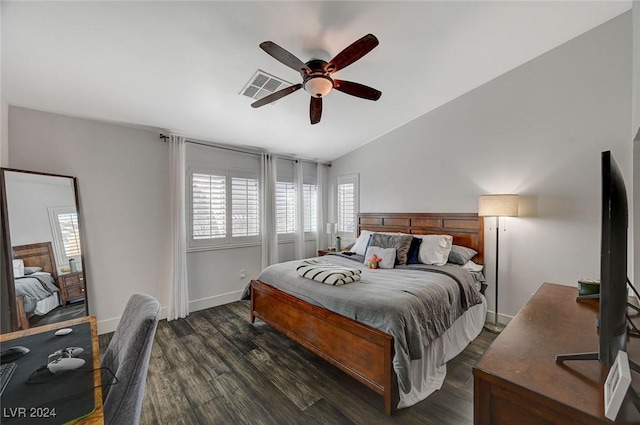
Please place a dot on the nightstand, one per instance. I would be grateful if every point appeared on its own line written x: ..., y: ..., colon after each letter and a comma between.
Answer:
x: 71, y: 287
x: 322, y: 252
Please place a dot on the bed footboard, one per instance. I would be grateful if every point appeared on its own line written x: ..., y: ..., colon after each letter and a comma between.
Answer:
x: 363, y: 352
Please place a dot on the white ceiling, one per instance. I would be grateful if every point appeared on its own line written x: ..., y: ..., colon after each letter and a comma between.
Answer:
x: 180, y: 66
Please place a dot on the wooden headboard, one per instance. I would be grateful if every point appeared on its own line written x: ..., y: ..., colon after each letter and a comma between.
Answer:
x: 37, y: 255
x: 466, y: 229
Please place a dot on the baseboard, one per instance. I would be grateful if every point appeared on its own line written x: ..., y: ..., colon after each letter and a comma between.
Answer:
x: 109, y: 325
x: 502, y: 318
x: 214, y: 301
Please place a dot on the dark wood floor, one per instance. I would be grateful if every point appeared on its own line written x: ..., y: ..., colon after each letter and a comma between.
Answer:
x: 217, y: 368
x: 59, y: 314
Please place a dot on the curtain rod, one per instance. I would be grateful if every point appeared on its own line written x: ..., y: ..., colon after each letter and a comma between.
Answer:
x: 164, y: 137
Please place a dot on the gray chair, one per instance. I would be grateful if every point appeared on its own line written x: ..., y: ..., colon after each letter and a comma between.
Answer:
x: 127, y: 356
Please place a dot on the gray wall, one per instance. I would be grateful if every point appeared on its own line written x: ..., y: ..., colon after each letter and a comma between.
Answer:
x: 537, y: 131
x: 122, y: 181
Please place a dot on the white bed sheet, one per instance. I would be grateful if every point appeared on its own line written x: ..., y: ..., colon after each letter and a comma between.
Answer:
x: 45, y: 305
x: 428, y: 373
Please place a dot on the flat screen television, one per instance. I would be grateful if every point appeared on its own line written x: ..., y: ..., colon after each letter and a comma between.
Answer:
x: 613, y: 268
x: 613, y: 262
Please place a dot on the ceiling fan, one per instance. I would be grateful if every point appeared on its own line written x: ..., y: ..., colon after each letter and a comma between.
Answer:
x: 316, y: 75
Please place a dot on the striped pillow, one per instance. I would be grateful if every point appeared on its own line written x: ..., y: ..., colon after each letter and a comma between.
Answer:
x: 327, y: 273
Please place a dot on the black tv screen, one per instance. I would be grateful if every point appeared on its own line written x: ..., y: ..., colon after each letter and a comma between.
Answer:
x: 613, y: 262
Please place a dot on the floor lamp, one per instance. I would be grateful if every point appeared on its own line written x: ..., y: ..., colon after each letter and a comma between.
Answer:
x: 497, y: 206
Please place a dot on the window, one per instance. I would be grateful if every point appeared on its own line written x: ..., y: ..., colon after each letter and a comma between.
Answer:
x: 285, y: 208
x: 310, y: 193
x: 224, y: 208
x: 209, y: 206
x: 245, y: 206
x: 347, y: 193
x: 66, y: 233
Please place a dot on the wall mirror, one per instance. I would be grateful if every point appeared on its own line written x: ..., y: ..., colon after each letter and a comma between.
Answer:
x: 44, y: 262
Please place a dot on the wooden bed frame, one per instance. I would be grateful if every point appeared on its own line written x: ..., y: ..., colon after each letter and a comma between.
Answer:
x: 34, y: 255
x: 363, y: 352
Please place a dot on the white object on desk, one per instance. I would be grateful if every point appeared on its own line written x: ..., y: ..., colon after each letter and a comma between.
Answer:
x: 67, y: 363
x: 616, y: 385
x: 63, y: 331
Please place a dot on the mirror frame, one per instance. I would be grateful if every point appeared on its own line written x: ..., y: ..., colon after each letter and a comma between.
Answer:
x: 8, y: 248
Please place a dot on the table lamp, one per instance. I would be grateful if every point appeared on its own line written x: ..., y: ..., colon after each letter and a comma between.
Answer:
x: 332, y: 228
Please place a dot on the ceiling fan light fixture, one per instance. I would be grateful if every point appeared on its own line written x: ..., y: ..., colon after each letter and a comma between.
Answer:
x: 319, y: 86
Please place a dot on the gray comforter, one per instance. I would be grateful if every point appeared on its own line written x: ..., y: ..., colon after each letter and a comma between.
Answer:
x: 415, y: 303
x: 34, y: 288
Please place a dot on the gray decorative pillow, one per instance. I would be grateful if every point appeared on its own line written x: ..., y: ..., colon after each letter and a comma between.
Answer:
x: 31, y: 270
x: 461, y: 254
x: 400, y: 242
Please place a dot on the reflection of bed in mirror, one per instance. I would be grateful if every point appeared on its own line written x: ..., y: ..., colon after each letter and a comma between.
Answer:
x: 41, y: 225
x: 37, y: 288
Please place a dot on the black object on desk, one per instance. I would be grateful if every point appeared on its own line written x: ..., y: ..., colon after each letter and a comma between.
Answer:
x: 66, y: 396
x: 6, y: 372
x: 12, y: 354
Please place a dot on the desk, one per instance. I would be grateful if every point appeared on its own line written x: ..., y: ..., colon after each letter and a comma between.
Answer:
x: 97, y: 416
x: 517, y: 380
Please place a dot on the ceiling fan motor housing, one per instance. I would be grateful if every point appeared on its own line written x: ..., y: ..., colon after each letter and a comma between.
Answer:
x: 316, y: 80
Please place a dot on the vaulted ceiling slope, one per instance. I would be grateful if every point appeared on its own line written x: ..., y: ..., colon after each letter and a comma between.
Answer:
x: 181, y: 66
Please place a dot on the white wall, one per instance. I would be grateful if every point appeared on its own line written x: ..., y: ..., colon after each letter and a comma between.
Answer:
x: 123, y: 183
x: 29, y: 197
x: 537, y: 131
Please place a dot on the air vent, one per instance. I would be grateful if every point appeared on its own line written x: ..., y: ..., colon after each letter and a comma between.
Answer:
x: 263, y: 84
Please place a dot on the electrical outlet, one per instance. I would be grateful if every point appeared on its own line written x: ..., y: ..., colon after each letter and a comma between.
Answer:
x: 243, y: 274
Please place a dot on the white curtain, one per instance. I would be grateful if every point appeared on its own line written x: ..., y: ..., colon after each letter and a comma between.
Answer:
x: 269, y: 171
x: 298, y: 180
x: 321, y: 242
x: 179, y: 300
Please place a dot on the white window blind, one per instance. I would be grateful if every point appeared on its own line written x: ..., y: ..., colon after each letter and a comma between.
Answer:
x: 347, y: 191
x: 70, y: 233
x: 310, y: 193
x: 245, y: 207
x: 285, y: 208
x: 209, y: 206
x: 65, y: 232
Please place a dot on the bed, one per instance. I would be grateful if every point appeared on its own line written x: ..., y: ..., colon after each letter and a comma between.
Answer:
x: 36, y: 293
x: 363, y: 351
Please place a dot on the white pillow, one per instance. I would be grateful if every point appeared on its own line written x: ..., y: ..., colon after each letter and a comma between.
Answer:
x: 18, y: 268
x: 361, y: 244
x: 388, y: 256
x: 434, y: 249
x: 472, y: 267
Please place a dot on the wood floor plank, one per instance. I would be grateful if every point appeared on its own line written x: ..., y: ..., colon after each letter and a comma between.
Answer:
x: 215, y: 367
x: 289, y: 383
x: 324, y: 413
x: 247, y: 376
x: 165, y: 394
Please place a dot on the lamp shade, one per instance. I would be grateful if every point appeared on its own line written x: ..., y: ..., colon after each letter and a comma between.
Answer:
x: 498, y: 206
x: 332, y: 228
x: 318, y: 86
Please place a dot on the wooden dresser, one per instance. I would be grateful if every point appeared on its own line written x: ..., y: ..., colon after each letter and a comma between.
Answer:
x: 517, y: 380
x: 71, y: 287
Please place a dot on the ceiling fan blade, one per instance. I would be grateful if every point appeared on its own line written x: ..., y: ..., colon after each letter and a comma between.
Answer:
x: 358, y: 90
x: 352, y: 53
x: 281, y: 55
x: 315, y: 109
x: 276, y: 95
